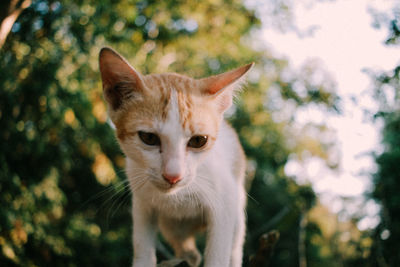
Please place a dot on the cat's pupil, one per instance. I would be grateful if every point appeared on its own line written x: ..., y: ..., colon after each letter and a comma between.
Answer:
x: 197, y: 141
x: 150, y: 139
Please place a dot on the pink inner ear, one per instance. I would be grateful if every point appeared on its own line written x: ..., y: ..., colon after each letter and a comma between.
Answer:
x: 114, y: 69
x: 218, y: 82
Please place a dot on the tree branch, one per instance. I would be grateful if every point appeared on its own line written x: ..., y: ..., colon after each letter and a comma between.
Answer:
x: 8, y: 19
x: 264, y: 228
x: 265, y: 250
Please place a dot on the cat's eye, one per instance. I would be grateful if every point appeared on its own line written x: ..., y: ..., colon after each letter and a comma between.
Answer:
x: 150, y: 139
x: 197, y: 141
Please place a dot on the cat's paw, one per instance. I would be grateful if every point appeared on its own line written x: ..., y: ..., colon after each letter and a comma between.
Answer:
x: 192, y: 257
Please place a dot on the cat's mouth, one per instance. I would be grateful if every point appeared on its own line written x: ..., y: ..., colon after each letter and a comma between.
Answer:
x: 167, y: 187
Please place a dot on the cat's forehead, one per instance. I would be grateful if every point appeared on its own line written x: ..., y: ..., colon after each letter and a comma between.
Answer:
x: 173, y: 102
x: 173, y: 94
x: 167, y: 81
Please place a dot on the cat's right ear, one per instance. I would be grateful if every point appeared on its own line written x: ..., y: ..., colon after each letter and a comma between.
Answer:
x: 120, y: 80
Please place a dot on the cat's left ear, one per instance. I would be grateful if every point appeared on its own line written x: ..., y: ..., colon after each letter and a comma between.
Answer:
x: 222, y: 86
x: 120, y: 80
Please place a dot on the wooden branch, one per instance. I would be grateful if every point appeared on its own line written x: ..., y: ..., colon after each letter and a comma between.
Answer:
x: 302, y: 240
x: 267, y: 226
x: 265, y: 250
x: 262, y: 257
x: 173, y: 263
x: 10, y: 17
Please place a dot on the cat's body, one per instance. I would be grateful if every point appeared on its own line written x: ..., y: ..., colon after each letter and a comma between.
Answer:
x: 219, y: 197
x: 184, y: 162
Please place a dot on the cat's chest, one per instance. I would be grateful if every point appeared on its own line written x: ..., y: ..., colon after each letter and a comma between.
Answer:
x: 177, y: 206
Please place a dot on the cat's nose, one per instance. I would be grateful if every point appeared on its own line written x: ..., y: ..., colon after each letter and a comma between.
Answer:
x: 172, y: 178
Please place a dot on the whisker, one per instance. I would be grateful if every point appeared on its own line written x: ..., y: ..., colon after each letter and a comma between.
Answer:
x: 125, y: 190
x: 113, y: 204
x: 122, y: 199
x: 114, y: 196
x: 135, y: 186
x: 103, y: 192
x: 252, y: 198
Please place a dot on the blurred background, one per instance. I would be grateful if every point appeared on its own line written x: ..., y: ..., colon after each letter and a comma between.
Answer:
x: 319, y: 119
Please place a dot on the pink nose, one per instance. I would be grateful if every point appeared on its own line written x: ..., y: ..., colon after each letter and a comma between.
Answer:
x: 172, y: 179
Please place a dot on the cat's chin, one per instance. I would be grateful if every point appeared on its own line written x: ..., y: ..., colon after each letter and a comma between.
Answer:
x: 167, y: 188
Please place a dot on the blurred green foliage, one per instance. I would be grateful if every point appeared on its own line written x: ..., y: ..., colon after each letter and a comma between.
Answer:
x: 64, y: 198
x: 387, y: 178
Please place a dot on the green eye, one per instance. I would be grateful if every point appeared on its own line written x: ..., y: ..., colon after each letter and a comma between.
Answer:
x: 150, y: 139
x: 197, y: 141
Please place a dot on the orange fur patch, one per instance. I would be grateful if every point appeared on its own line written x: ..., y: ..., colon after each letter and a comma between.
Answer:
x: 196, y: 114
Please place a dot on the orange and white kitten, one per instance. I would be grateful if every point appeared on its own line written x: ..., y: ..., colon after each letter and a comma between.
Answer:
x: 184, y: 163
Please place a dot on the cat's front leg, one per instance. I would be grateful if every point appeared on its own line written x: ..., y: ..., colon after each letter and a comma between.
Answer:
x: 219, y: 239
x: 239, y: 231
x: 144, y: 237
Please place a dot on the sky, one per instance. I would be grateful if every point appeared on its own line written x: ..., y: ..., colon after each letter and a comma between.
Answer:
x: 344, y: 43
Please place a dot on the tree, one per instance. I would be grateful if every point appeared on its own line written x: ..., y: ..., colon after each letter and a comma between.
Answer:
x: 387, y: 178
x: 60, y: 165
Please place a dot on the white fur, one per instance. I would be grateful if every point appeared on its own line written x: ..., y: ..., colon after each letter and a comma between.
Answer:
x: 209, y: 191
x: 173, y: 163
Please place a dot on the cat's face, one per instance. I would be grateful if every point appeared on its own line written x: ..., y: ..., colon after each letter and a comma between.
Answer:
x: 167, y: 130
x: 165, y: 123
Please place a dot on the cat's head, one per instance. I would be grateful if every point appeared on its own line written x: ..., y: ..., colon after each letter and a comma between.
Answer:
x: 165, y: 123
